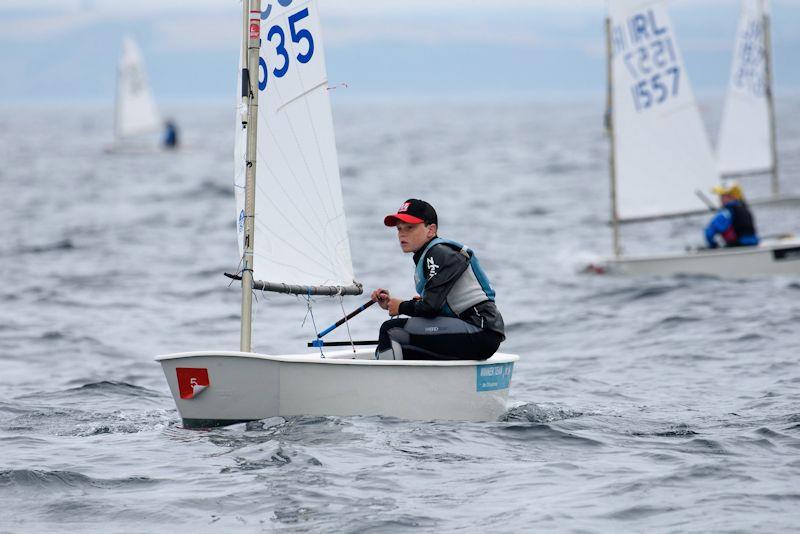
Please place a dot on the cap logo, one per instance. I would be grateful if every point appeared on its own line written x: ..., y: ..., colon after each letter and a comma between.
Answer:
x: 404, y: 207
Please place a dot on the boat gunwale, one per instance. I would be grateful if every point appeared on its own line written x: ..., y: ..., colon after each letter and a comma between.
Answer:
x: 335, y: 357
x: 763, y: 248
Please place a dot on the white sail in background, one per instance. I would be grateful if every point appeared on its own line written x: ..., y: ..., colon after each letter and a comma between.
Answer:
x: 136, y: 111
x: 744, y: 138
x: 662, y: 153
x: 300, y: 228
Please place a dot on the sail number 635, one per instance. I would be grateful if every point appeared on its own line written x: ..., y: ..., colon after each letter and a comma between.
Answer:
x: 297, y: 36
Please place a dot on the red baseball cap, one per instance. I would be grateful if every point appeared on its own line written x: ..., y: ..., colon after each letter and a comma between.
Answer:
x: 413, y: 211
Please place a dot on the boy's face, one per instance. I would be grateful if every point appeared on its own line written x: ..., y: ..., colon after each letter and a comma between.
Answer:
x: 414, y: 236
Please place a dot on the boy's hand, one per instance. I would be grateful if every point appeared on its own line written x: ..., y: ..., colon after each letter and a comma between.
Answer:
x: 381, y: 296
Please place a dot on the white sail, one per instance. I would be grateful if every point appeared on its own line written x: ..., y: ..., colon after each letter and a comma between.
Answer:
x: 136, y: 111
x: 661, y: 149
x: 744, y: 138
x: 300, y: 228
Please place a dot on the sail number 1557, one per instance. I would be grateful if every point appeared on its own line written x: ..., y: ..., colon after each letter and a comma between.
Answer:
x: 277, y: 36
x: 656, y: 89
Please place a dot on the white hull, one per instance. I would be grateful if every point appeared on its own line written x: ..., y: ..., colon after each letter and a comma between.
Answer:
x: 249, y: 386
x: 779, y: 200
x: 781, y: 257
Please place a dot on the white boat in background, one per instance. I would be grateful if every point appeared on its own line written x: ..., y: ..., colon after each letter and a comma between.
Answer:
x: 137, y: 121
x: 303, y: 248
x: 747, y: 135
x: 773, y: 257
x: 660, y: 154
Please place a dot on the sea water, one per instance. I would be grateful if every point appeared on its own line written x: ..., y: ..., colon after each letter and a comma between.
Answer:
x: 639, y: 404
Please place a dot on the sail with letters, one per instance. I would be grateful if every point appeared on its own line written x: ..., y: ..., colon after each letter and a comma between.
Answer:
x: 300, y: 232
x: 660, y: 149
x: 745, y: 137
x: 136, y: 112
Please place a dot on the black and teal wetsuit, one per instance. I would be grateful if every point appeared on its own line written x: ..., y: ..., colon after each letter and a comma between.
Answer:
x: 456, y: 318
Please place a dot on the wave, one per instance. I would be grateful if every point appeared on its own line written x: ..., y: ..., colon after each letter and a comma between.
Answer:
x: 275, y: 458
x: 72, y: 422
x: 543, y: 432
x: 115, y: 387
x: 533, y: 413
x: 37, y: 479
x: 679, y: 430
x: 55, y: 246
x: 638, y: 292
x: 214, y: 188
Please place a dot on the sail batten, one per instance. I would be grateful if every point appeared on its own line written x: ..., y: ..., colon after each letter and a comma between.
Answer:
x: 744, y: 145
x: 661, y: 149
x: 301, y: 239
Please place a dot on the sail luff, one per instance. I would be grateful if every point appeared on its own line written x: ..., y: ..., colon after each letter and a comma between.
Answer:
x: 118, y: 103
x: 612, y: 167
x: 773, y: 145
x: 253, y: 35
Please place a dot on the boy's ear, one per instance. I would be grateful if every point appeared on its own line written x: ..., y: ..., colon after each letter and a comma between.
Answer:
x: 432, y: 228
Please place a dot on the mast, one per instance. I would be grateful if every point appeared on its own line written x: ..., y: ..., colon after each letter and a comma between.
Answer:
x: 117, y: 94
x: 610, y: 117
x: 251, y: 39
x: 770, y: 99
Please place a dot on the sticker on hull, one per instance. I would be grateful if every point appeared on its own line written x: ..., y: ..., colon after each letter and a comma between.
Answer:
x: 494, y: 376
x: 785, y: 254
x: 192, y: 381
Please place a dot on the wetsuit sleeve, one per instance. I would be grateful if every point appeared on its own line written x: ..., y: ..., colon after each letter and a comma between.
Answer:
x: 442, y: 268
x: 718, y: 225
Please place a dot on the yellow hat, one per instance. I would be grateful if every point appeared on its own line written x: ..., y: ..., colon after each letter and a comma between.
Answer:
x: 732, y: 190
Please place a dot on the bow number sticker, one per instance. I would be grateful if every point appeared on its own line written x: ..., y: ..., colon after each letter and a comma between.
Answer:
x: 192, y: 381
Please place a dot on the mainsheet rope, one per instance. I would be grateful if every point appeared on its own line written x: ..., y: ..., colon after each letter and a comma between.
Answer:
x: 346, y: 322
x: 310, y: 311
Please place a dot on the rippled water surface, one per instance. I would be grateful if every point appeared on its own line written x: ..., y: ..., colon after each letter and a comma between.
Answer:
x: 668, y: 404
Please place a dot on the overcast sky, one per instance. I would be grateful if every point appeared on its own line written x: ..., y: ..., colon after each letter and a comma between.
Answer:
x: 67, y: 49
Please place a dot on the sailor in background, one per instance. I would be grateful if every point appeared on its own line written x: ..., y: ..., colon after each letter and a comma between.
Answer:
x: 733, y: 221
x: 454, y: 317
x: 170, y: 135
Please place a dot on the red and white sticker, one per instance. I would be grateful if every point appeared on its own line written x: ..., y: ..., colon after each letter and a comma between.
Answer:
x: 404, y: 207
x: 192, y: 381
x: 255, y: 24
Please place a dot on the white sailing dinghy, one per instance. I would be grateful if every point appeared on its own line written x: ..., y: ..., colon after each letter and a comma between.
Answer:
x: 303, y: 248
x: 747, y: 139
x: 660, y: 154
x: 137, y: 120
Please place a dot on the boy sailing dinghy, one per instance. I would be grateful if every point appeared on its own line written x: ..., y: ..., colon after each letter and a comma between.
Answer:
x: 747, y: 145
x: 660, y: 155
x: 136, y: 116
x: 303, y: 248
